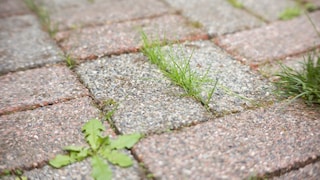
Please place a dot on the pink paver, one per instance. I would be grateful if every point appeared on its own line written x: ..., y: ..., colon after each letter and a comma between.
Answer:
x: 255, y: 142
x: 12, y: 7
x: 30, y: 138
x: 38, y: 87
x: 277, y: 40
x: 93, y: 42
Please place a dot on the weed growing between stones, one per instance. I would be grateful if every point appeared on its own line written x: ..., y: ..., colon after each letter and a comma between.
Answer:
x: 101, y: 149
x: 178, y: 69
x: 70, y: 61
x: 303, y: 84
x: 236, y: 3
x: 290, y: 13
x: 44, y: 17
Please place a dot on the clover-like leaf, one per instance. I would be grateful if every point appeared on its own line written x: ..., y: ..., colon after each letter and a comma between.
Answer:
x: 61, y: 160
x: 92, y: 130
x: 118, y: 158
x: 125, y: 141
x: 100, y: 170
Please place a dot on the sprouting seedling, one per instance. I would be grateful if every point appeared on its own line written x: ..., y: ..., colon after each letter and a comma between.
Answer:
x: 101, y: 149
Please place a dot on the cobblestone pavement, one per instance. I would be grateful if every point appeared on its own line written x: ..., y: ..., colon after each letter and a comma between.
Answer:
x: 44, y: 104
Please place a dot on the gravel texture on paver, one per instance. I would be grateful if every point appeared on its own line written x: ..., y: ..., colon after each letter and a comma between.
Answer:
x: 206, y: 58
x: 268, y: 10
x: 12, y: 7
x: 274, y: 41
x: 311, y: 172
x: 236, y: 146
x: 148, y: 102
x: 82, y: 13
x: 217, y: 16
x: 30, y: 138
x: 93, y: 42
x: 38, y: 87
x: 23, y: 44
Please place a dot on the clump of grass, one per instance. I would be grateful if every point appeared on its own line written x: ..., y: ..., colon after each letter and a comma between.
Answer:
x: 290, y: 13
x: 44, y: 17
x: 303, y: 84
x: 70, y: 61
x: 178, y: 69
x: 236, y: 3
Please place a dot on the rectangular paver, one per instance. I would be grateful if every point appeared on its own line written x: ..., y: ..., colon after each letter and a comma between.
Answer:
x: 23, y: 44
x: 217, y: 16
x: 93, y: 42
x: 38, y: 87
x: 148, y: 102
x: 236, y: 146
x: 275, y: 41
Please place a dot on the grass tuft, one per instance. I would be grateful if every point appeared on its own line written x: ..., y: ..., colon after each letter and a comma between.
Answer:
x: 236, y: 3
x: 290, y: 13
x: 303, y: 84
x: 177, y: 68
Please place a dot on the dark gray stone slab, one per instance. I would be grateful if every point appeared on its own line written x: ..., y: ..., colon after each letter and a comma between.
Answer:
x: 24, y: 45
x: 148, y: 102
x: 217, y: 16
x: 237, y: 146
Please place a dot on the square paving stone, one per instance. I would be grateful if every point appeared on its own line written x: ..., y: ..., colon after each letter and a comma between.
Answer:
x: 93, y: 42
x: 275, y: 41
x: 148, y: 102
x: 238, y: 146
x: 23, y: 44
x: 311, y: 171
x: 236, y: 83
x: 81, y: 13
x: 12, y: 7
x: 38, y: 87
x: 30, y: 138
x: 217, y: 16
x: 268, y: 10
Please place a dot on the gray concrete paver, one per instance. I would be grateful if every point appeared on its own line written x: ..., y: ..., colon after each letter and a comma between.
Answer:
x: 23, y: 44
x: 236, y: 146
x: 38, y: 87
x: 274, y: 41
x: 217, y: 16
x: 148, y: 102
x: 93, y: 42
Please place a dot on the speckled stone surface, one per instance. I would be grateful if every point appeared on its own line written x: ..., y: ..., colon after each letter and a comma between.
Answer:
x: 83, y: 13
x: 217, y: 16
x: 23, y: 44
x: 268, y: 10
x: 12, y: 7
x: 274, y: 41
x: 92, y: 42
x: 236, y: 146
x: 234, y: 79
x: 38, y: 87
x: 311, y: 171
x: 30, y: 138
x: 148, y: 102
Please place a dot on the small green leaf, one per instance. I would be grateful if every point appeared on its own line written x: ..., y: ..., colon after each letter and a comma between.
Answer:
x: 118, y: 158
x: 125, y: 141
x: 60, y: 161
x: 92, y: 130
x: 73, y: 148
x: 100, y: 170
x: 82, y: 154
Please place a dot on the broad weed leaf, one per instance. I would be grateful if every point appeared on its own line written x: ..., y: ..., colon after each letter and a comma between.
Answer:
x: 118, y: 158
x: 61, y: 160
x: 100, y: 170
x: 92, y: 130
x: 125, y: 141
x: 73, y: 148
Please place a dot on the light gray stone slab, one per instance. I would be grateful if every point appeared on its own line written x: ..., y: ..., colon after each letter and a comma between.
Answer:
x: 148, y: 102
x: 23, y: 44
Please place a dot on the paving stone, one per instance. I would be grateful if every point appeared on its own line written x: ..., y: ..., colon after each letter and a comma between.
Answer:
x: 38, y: 87
x: 148, y: 102
x: 268, y: 10
x: 92, y: 42
x: 81, y: 13
x: 217, y: 16
x: 235, y: 81
x: 311, y: 171
x: 12, y: 7
x: 29, y: 138
x: 23, y: 44
x: 315, y: 2
x: 254, y: 142
x: 275, y: 41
